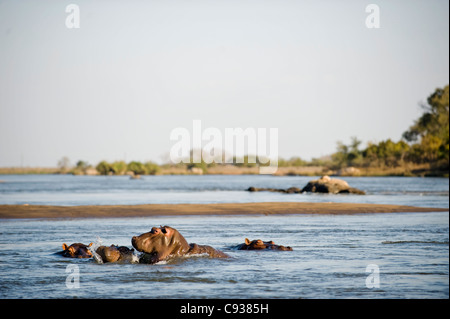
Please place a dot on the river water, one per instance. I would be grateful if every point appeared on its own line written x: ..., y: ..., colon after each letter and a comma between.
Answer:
x: 402, y: 255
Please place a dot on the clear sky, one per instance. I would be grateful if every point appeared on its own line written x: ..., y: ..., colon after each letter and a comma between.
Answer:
x: 115, y: 88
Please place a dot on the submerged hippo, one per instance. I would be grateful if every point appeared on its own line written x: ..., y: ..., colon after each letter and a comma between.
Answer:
x: 162, y: 243
x: 258, y: 244
x: 115, y: 253
x: 76, y: 250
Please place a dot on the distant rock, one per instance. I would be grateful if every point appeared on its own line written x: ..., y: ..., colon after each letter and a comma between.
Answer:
x: 325, y: 184
x: 293, y: 190
x: 255, y: 189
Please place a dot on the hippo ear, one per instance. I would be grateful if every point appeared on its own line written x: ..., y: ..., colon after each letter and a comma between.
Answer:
x: 247, y: 241
x: 64, y: 246
x: 90, y: 244
x: 167, y: 231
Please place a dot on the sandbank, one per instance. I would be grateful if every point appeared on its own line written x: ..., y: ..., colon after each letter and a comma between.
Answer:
x: 272, y: 208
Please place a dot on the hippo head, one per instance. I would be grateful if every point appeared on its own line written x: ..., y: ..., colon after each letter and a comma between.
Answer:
x: 160, y: 243
x: 113, y: 253
x: 77, y: 250
x: 259, y: 244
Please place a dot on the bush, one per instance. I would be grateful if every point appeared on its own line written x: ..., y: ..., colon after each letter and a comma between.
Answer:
x: 104, y: 168
x: 119, y: 167
x: 136, y: 167
x: 151, y: 168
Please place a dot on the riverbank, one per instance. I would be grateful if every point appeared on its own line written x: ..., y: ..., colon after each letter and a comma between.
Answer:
x: 278, y: 208
x: 410, y: 170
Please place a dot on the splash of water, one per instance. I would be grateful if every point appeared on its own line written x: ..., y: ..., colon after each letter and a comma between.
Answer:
x: 98, y: 242
x: 135, y: 258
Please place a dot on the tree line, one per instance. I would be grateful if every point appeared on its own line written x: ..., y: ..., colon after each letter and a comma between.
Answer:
x: 426, y: 141
x: 118, y: 168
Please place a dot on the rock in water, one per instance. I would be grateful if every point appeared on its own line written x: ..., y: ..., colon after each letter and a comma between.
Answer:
x: 325, y: 184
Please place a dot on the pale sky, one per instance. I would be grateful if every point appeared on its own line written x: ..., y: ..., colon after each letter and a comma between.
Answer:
x: 116, y: 87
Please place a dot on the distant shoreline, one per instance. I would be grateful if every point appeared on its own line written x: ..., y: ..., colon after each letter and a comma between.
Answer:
x: 406, y: 171
x: 225, y: 209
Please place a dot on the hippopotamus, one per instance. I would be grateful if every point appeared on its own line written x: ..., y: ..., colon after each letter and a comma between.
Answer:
x: 258, y: 244
x: 165, y: 242
x: 76, y: 250
x: 115, y: 253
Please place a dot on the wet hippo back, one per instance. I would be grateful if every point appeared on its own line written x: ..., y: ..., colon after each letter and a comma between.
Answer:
x: 114, y: 253
x: 258, y: 244
x: 203, y: 249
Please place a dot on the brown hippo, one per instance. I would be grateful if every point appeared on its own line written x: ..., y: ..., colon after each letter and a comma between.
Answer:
x: 164, y: 242
x: 76, y: 250
x: 115, y: 253
x: 258, y: 244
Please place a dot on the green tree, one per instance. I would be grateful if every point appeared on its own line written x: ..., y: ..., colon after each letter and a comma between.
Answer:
x: 340, y: 157
x: 201, y: 165
x: 348, y: 155
x: 119, y: 167
x: 137, y: 168
x: 354, y: 156
x: 430, y: 132
x: 82, y: 165
x: 151, y: 168
x: 434, y: 120
x: 430, y: 148
x: 80, y: 168
x: 103, y: 168
x: 385, y: 153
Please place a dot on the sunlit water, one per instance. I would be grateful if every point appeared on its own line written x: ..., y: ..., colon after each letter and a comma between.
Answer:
x: 330, y: 257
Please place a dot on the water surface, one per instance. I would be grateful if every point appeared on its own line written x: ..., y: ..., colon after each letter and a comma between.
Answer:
x: 330, y: 257
x: 329, y: 260
x: 176, y: 189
